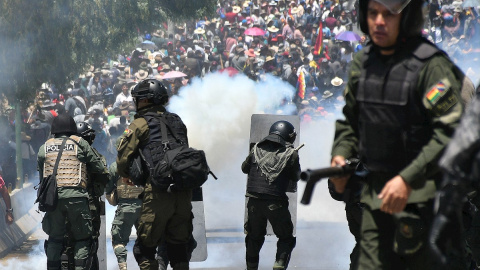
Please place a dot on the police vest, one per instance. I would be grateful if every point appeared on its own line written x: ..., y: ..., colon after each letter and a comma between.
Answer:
x: 258, y: 182
x: 125, y: 191
x: 392, y: 122
x: 71, y: 172
x: 153, y: 150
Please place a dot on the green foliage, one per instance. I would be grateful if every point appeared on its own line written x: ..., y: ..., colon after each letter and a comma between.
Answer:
x: 52, y: 41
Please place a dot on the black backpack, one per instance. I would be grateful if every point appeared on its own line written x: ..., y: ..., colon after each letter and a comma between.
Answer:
x: 184, y: 167
x: 47, y: 195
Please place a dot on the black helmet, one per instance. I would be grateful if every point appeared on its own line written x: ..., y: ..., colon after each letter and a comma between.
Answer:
x: 412, y: 15
x: 151, y: 89
x: 284, y: 129
x: 64, y: 124
x: 86, y: 131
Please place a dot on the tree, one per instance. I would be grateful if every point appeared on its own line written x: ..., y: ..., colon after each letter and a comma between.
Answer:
x: 54, y: 40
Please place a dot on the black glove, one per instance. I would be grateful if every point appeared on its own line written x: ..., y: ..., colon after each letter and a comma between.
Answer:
x: 446, y: 238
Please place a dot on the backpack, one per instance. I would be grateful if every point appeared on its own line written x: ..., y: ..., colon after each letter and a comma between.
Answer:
x: 184, y: 167
x: 47, y: 194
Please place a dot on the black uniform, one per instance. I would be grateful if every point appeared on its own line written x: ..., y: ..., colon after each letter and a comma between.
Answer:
x: 271, y: 165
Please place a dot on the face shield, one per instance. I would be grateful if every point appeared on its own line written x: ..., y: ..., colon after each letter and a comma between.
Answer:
x: 394, y: 6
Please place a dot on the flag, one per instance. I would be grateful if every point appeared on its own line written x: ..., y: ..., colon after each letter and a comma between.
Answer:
x: 319, y: 42
x: 301, y: 85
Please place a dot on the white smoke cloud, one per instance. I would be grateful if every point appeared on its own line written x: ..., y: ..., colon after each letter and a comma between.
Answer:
x: 217, y: 111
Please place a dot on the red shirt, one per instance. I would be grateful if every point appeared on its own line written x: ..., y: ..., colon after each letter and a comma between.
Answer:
x: 2, y: 183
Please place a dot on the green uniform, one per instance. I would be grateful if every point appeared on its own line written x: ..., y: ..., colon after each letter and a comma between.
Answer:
x: 384, y: 245
x: 164, y: 214
x: 73, y: 203
x: 127, y: 214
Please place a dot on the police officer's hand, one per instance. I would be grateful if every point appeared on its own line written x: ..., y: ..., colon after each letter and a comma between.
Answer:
x: 394, y: 195
x: 9, y: 218
x: 339, y: 182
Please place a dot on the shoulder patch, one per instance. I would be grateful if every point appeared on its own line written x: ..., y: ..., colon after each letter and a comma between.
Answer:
x: 437, y: 91
x: 127, y: 132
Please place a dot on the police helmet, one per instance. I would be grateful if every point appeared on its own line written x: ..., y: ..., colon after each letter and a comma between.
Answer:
x: 86, y: 131
x: 284, y: 129
x: 412, y: 15
x: 64, y: 124
x: 151, y: 89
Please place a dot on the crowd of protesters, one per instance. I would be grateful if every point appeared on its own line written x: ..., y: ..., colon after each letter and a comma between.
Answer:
x: 303, y: 42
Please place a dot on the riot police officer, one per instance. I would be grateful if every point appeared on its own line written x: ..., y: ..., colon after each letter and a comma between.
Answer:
x: 402, y: 104
x: 164, y: 214
x: 271, y: 165
x: 129, y: 206
x: 76, y: 161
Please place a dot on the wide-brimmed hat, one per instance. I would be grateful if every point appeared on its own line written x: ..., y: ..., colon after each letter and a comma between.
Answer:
x: 122, y: 77
x: 327, y: 94
x: 250, y: 52
x: 272, y: 3
x: 246, y: 4
x: 236, y: 9
x: 269, y: 58
x: 141, y: 75
x: 294, y: 10
x: 227, y: 23
x: 458, y: 9
x: 199, y: 31
x: 273, y: 29
x: 143, y: 65
x: 105, y: 73
x: 336, y: 81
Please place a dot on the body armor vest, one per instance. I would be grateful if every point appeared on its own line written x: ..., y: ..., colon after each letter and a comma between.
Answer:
x: 125, y: 191
x: 71, y: 172
x: 392, y: 124
x: 153, y: 151
x: 258, y: 183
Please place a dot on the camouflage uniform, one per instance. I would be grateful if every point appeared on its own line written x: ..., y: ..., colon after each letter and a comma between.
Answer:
x: 77, y: 159
x: 164, y: 214
x: 127, y: 214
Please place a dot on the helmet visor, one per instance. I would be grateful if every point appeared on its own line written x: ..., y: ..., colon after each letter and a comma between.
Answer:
x: 394, y: 6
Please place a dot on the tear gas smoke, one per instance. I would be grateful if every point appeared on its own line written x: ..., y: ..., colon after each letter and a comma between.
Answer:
x: 217, y: 112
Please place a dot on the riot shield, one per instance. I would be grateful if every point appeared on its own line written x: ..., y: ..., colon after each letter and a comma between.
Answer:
x: 260, y: 125
x: 199, y: 233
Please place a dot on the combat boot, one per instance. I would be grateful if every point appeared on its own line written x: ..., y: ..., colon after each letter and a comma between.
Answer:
x: 122, y: 266
x: 279, y: 265
x: 252, y: 265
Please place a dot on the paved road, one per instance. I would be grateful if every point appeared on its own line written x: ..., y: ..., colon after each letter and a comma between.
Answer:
x: 322, y: 246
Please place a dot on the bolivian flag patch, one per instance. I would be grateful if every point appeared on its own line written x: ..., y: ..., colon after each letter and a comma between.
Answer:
x: 127, y: 132
x: 437, y: 91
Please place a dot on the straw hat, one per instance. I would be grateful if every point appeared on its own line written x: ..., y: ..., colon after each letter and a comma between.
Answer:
x: 269, y: 58
x: 273, y: 29
x: 227, y: 23
x: 141, y: 75
x: 294, y: 10
x: 199, y: 31
x: 236, y: 9
x: 327, y: 94
x: 336, y: 81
